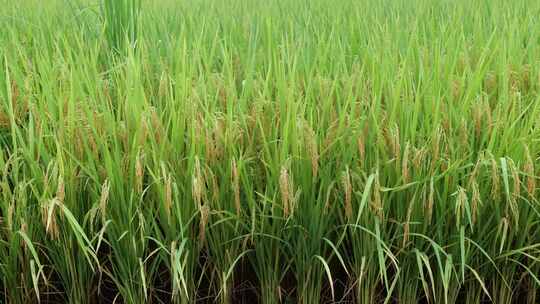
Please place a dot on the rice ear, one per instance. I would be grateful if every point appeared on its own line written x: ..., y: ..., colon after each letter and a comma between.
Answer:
x: 406, y: 227
x: 15, y: 94
x: 236, y: 186
x: 461, y: 201
x: 10, y: 211
x: 436, y: 148
x: 211, y: 178
x: 104, y: 198
x: 197, y: 184
x: 529, y: 171
x: 419, y: 156
x: 474, y: 173
x: 168, y: 194
x: 513, y: 202
x: 517, y: 181
x: 157, y: 126
x: 313, y: 151
x: 285, y: 190
x: 430, y: 201
x: 328, y: 199
x: 346, y: 183
x: 48, y: 215
x: 61, y: 191
x: 456, y: 89
x: 464, y: 134
x: 4, y: 119
x: 478, y: 111
x: 396, y: 146
x: 139, y: 172
x: 405, y: 165
x: 377, y: 201
x: 476, y: 201
x: 361, y: 149
x: 204, y: 217
x: 143, y: 135
x: 495, y: 183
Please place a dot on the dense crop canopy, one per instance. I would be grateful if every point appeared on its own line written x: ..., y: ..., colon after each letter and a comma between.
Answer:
x: 285, y: 151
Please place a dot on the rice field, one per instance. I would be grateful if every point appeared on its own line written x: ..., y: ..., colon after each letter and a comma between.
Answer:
x: 283, y: 151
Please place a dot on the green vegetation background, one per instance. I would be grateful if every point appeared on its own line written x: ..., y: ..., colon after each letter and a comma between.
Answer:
x: 361, y: 151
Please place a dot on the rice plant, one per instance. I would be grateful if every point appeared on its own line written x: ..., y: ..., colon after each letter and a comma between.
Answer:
x: 269, y: 151
x: 121, y: 22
